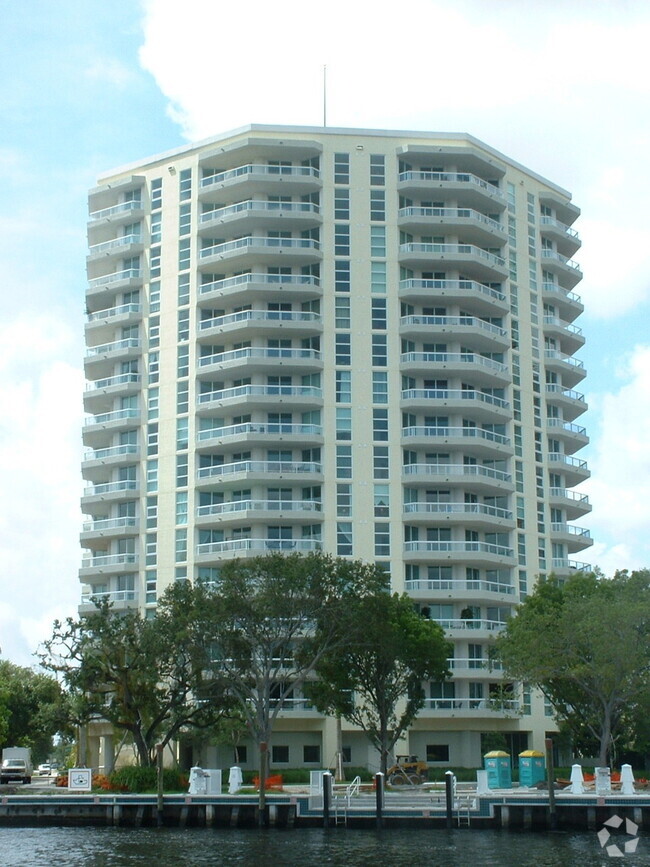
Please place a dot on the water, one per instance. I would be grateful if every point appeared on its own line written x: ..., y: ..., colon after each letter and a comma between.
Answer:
x: 114, y: 847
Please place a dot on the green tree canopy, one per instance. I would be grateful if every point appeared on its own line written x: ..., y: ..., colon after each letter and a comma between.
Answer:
x: 374, y: 678
x: 33, y: 708
x: 585, y: 642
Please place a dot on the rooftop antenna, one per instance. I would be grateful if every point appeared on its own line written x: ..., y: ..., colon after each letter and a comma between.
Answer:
x: 324, y: 94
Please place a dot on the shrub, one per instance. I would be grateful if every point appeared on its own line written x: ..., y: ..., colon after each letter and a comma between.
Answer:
x: 137, y: 779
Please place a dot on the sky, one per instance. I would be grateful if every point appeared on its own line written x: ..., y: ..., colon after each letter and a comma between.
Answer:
x: 87, y: 86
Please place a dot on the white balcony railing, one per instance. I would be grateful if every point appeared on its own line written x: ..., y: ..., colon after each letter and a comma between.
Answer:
x: 243, y: 280
x: 454, y: 394
x: 453, y: 358
x: 245, y: 391
x: 259, y: 467
x: 259, y: 241
x: 268, y: 428
x: 462, y: 470
x: 452, y: 250
x: 234, y: 545
x: 241, y: 208
x: 236, y: 506
x: 437, y: 547
x: 209, y: 180
x: 464, y: 509
x: 474, y: 433
x: 433, y: 286
x: 453, y: 322
x: 451, y: 214
x: 463, y: 178
x: 246, y: 316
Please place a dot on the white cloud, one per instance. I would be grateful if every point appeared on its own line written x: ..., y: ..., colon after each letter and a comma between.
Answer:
x: 618, y: 488
x: 39, y: 465
x: 110, y: 71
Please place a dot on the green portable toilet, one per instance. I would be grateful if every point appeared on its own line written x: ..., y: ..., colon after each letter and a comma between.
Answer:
x: 532, y: 767
x: 497, y: 765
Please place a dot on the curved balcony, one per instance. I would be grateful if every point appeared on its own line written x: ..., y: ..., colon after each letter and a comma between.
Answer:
x: 474, y: 476
x: 482, y: 299
x: 476, y: 262
x: 567, y: 239
x: 459, y: 626
x: 261, y: 358
x: 112, y: 563
x: 109, y: 457
x: 104, y: 321
x: 101, y: 288
x: 100, y: 360
x: 572, y: 402
x: 466, y: 188
x: 570, y: 336
x: 482, y: 406
x: 472, y: 226
x: 259, y: 432
x: 123, y: 212
x: 574, y: 436
x: 474, y: 439
x: 265, y: 396
x: 120, y: 600
x: 251, y: 178
x: 568, y: 271
x: 477, y: 515
x: 458, y: 552
x: 99, y: 394
x: 568, y: 304
x: 563, y: 566
x: 481, y: 369
x: 573, y: 469
x: 483, y: 335
x: 290, y: 287
x: 460, y: 589
x: 109, y: 491
x: 259, y: 510
x: 256, y: 212
x: 109, y: 528
x: 571, y: 369
x: 575, y: 538
x: 259, y: 250
x: 127, y: 245
x: 574, y: 504
x: 263, y: 322
x: 297, y: 471
x: 471, y: 708
x: 96, y: 426
x: 253, y: 547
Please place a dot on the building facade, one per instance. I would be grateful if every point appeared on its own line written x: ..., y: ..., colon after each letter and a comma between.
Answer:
x: 359, y: 341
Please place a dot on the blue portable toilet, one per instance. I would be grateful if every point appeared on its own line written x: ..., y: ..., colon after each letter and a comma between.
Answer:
x: 532, y: 767
x: 499, y: 773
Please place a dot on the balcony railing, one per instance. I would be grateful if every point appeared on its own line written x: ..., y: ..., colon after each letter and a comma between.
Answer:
x: 260, y: 316
x: 112, y: 452
x: 108, y: 417
x: 115, y: 210
x: 113, y: 596
x: 259, y: 205
x: 560, y: 323
x: 567, y: 460
x: 566, y: 426
x: 259, y: 467
x: 426, y: 547
x: 116, y: 346
x: 261, y: 353
x: 556, y: 224
x: 463, y: 470
x: 454, y: 394
x: 110, y: 488
x: 571, y: 530
x: 452, y: 214
x: 452, y: 250
x: 556, y: 355
x: 115, y: 277
x: 470, y: 623
x: 554, y: 388
x: 479, y: 705
x: 432, y: 286
x: 436, y: 585
x: 567, y: 494
x: 259, y: 241
x: 109, y: 524
x: 109, y: 560
x: 453, y: 358
x: 452, y: 177
x: 457, y: 509
x: 476, y: 433
x: 110, y: 312
x: 270, y: 428
x: 573, y: 565
x: 456, y: 663
x: 237, y: 506
x: 209, y: 180
x: 244, y: 391
x: 115, y: 243
x: 230, y: 545
x: 558, y: 257
x: 454, y: 322
x: 560, y: 290
x: 109, y: 382
x: 263, y: 279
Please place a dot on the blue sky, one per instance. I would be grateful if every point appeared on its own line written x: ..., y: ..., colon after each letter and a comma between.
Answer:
x: 86, y: 86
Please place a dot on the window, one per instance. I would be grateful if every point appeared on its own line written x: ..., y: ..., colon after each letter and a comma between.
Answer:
x: 381, y: 501
x: 152, y: 476
x: 182, y: 396
x: 377, y: 205
x: 184, y: 220
x: 153, y: 401
x: 379, y: 386
x: 344, y: 462
x: 379, y: 350
x: 380, y: 425
x: 382, y: 539
x: 154, y: 367
x: 378, y: 313
x: 377, y: 170
x: 311, y: 754
x: 183, y: 361
x: 154, y: 331
x: 183, y: 254
x: 437, y: 752
x: 279, y: 754
x: 156, y: 194
x: 342, y: 275
x: 183, y: 325
x: 182, y: 433
x: 377, y: 241
x: 154, y: 262
x: 378, y: 278
x: 152, y: 439
x: 183, y: 289
x: 342, y: 355
x: 341, y: 239
x: 344, y: 501
x: 343, y: 386
x: 344, y: 423
x: 152, y: 512
x: 341, y: 204
x: 380, y: 462
x: 341, y: 168
x: 341, y: 311
x: 156, y: 228
x: 181, y: 471
x: 185, y: 184
x: 154, y: 296
x: 344, y: 538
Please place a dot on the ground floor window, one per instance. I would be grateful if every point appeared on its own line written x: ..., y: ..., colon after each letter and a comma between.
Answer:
x: 437, y: 752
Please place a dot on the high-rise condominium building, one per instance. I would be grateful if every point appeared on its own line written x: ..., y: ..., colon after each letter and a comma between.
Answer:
x: 359, y: 341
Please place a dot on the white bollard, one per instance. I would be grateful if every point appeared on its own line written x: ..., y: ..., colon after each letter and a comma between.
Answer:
x: 577, y: 780
x: 627, y: 780
x: 482, y: 787
x: 234, y: 780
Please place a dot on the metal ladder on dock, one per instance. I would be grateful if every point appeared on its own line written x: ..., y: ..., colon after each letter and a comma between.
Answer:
x: 463, y: 807
x: 341, y: 802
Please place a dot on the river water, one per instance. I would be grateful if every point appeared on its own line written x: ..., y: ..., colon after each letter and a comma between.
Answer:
x: 114, y: 847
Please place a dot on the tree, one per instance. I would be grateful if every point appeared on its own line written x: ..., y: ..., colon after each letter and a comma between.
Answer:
x: 151, y: 678
x: 33, y: 709
x: 374, y: 679
x: 273, y: 618
x: 585, y: 642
